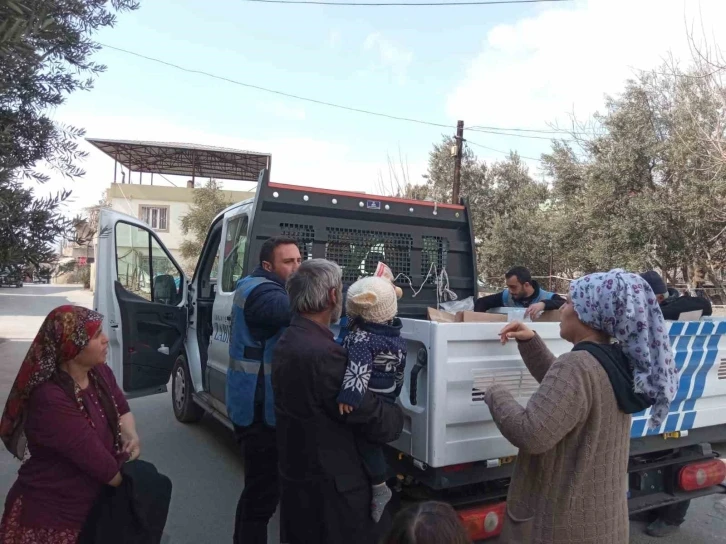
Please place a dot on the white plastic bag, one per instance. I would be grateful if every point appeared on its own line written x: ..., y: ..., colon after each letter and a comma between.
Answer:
x: 465, y: 305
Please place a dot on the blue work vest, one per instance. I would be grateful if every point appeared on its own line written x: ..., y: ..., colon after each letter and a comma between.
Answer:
x: 246, y: 355
x: 511, y: 303
x: 342, y: 331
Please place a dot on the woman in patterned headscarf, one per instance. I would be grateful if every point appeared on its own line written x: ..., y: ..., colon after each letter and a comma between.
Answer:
x: 569, y: 481
x: 66, y: 407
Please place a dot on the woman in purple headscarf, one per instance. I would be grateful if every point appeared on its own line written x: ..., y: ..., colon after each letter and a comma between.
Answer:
x: 569, y: 481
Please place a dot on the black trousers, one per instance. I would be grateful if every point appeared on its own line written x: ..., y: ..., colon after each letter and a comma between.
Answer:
x: 674, y: 514
x: 259, y: 498
x: 374, y: 461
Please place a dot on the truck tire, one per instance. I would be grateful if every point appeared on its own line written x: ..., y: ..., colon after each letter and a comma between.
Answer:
x: 185, y: 409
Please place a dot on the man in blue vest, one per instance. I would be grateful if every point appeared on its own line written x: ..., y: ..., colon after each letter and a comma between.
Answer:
x: 521, y: 292
x: 260, y: 313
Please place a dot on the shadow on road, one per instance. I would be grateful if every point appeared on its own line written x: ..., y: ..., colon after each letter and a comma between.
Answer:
x: 24, y: 301
x: 17, y: 308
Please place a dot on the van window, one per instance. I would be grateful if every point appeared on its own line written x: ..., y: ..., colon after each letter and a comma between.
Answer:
x: 144, y: 268
x: 235, y: 243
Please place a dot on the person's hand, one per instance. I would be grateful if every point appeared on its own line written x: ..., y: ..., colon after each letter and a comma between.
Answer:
x: 533, y: 311
x: 131, y: 445
x: 345, y: 408
x: 516, y: 331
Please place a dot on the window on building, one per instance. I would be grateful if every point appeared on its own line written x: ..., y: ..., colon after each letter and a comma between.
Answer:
x: 157, y: 217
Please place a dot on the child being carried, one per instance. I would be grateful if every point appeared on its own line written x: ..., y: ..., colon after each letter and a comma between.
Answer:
x: 376, y: 361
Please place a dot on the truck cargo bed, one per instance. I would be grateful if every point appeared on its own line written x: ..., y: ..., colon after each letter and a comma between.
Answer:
x: 450, y: 423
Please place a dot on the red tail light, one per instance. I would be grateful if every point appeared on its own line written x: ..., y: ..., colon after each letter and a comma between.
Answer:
x: 483, y: 521
x: 701, y: 475
x: 457, y: 468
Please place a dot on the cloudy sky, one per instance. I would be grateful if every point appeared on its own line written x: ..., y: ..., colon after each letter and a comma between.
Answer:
x: 513, y: 67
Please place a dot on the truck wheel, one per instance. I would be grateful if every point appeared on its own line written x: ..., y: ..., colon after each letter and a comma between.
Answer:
x: 185, y: 409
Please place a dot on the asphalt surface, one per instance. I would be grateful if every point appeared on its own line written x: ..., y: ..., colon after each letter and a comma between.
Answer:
x: 202, y: 460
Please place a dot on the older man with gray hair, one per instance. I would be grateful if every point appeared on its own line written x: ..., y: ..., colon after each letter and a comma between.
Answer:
x: 325, y: 492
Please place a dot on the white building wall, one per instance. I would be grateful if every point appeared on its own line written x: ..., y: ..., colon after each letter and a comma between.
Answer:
x: 128, y: 199
x: 171, y: 239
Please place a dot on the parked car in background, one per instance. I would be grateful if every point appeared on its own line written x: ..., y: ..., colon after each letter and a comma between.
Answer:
x: 41, y: 276
x: 11, y: 276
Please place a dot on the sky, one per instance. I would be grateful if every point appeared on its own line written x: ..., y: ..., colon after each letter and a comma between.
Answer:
x: 529, y: 66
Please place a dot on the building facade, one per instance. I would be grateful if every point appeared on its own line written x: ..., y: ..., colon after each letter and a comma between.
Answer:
x: 161, y: 207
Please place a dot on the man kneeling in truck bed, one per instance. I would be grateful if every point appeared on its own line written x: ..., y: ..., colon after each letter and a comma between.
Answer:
x: 521, y: 292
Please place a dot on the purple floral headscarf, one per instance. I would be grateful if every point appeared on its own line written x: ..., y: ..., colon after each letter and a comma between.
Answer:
x: 624, y: 306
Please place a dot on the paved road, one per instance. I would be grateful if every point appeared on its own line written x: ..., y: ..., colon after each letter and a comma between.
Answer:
x: 202, y: 460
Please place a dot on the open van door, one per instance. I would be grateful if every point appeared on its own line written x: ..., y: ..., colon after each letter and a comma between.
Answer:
x: 142, y: 293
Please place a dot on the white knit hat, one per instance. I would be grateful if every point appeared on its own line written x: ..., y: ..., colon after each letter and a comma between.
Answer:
x: 374, y: 299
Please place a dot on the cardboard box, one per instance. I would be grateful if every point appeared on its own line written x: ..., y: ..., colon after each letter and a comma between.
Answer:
x: 552, y: 316
x: 441, y: 316
x: 479, y: 317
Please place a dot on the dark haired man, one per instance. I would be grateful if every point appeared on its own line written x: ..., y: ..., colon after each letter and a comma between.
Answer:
x: 260, y: 313
x: 521, y: 292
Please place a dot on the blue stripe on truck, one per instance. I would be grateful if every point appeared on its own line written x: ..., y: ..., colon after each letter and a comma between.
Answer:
x: 683, y: 360
x: 700, y: 380
x: 695, y: 345
x: 692, y: 328
x: 672, y: 423
x: 636, y: 430
x: 688, y: 420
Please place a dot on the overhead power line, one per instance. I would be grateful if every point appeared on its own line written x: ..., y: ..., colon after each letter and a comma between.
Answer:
x: 407, y: 4
x: 482, y: 128
x: 530, y: 136
x: 500, y: 151
x: 273, y: 91
x: 500, y: 131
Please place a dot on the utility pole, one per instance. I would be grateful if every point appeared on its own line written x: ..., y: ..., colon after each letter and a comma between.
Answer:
x: 457, y: 162
x: 552, y: 258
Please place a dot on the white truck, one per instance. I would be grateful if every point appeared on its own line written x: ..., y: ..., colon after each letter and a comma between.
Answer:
x: 161, y: 325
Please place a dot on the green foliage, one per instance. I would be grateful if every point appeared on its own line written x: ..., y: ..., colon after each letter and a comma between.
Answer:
x: 29, y: 225
x: 208, y: 202
x: 45, y: 50
x: 45, y: 54
x: 508, y: 208
x: 641, y: 195
x: 647, y: 191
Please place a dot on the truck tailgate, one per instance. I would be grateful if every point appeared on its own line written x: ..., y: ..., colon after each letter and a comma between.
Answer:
x: 451, y: 424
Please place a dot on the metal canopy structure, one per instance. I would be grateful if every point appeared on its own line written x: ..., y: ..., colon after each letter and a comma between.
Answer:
x: 190, y: 160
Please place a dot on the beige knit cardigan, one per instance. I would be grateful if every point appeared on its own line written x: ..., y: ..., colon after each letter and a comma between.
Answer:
x: 569, y: 481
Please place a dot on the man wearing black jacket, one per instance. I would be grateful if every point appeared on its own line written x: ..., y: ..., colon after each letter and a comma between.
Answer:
x: 521, y: 292
x: 325, y: 492
x: 672, y: 305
